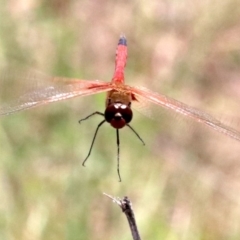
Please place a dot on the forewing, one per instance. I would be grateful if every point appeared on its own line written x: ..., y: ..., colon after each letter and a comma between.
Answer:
x: 183, y: 109
x: 25, y: 89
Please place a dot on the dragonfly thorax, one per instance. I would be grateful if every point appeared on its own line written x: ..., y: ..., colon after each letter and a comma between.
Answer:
x: 118, y: 114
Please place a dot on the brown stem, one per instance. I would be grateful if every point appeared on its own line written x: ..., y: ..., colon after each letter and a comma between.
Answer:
x: 126, y: 207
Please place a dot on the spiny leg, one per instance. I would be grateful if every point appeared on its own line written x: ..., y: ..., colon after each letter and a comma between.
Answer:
x: 95, y: 134
x: 118, y: 153
x: 99, y: 113
x: 138, y: 136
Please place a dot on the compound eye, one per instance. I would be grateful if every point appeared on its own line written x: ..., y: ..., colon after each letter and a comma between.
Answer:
x: 118, y: 115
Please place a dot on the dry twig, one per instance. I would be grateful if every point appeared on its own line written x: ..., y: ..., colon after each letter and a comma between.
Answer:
x: 126, y: 207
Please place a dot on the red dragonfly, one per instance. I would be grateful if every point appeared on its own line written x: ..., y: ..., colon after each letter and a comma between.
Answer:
x: 41, y: 89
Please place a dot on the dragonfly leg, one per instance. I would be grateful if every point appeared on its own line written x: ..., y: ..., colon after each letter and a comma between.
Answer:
x: 118, y: 153
x: 138, y: 136
x: 94, y: 137
x: 99, y: 113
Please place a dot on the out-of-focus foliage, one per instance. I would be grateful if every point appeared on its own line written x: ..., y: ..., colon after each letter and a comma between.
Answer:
x: 184, y: 183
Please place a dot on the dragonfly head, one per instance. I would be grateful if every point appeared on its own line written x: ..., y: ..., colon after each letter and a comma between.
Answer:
x: 118, y: 115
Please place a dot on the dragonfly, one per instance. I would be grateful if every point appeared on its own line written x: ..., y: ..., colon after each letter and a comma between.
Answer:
x: 41, y: 89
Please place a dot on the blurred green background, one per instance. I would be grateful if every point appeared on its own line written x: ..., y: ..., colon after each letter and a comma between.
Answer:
x: 185, y: 183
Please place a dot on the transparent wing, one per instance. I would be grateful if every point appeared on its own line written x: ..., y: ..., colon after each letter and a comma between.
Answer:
x: 184, y: 109
x: 25, y: 89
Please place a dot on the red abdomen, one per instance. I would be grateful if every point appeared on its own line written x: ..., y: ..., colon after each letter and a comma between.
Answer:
x: 121, y: 59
